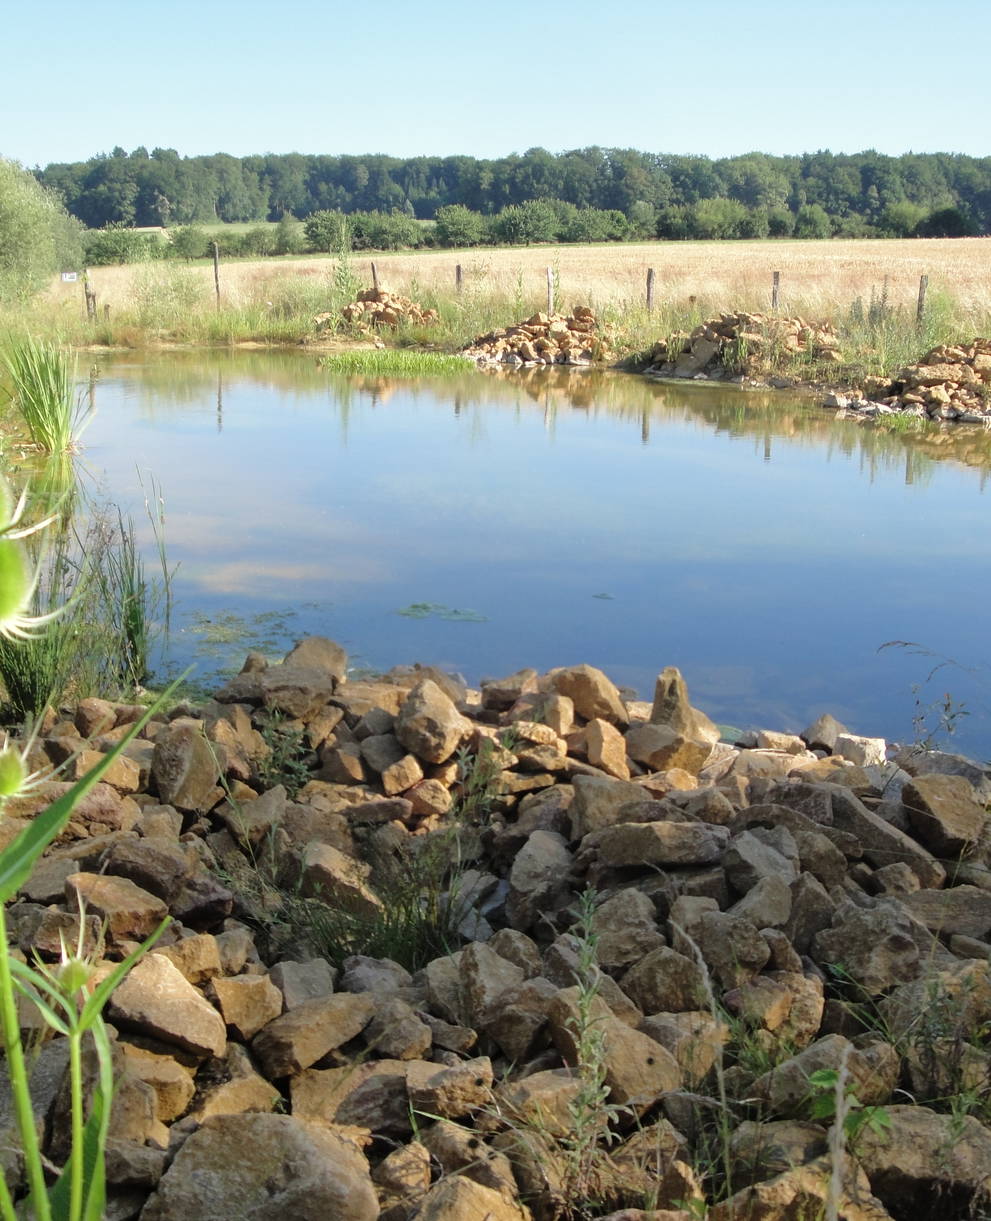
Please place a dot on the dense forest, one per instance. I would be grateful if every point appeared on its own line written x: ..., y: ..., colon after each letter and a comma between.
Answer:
x: 756, y: 195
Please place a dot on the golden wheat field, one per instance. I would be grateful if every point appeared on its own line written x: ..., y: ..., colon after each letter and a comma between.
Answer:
x: 816, y: 276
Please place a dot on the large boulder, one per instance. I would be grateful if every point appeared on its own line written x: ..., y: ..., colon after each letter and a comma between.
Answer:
x: 429, y: 725
x: 256, y: 1167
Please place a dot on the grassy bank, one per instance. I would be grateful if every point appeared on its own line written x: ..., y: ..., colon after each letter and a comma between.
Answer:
x: 867, y: 290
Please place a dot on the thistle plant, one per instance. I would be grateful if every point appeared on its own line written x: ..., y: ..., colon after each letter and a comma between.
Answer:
x: 67, y: 995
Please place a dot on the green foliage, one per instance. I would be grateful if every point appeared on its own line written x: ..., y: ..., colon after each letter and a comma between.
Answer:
x: 289, y: 236
x: 37, y: 236
x: 456, y: 225
x: 285, y: 762
x: 40, y: 377
x: 827, y: 1103
x: 394, y: 362
x: 117, y: 243
x: 812, y: 220
x: 189, y: 242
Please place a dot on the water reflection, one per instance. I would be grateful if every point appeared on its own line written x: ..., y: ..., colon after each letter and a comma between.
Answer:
x: 751, y: 538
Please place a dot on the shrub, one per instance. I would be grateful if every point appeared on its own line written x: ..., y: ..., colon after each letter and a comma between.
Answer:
x: 189, y: 242
x: 116, y: 243
x: 456, y: 225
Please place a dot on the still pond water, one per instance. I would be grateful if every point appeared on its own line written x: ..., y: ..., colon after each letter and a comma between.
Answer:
x: 489, y: 522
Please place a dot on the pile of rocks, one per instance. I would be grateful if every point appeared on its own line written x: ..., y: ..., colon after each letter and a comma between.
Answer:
x: 746, y: 894
x: 741, y: 345
x: 951, y: 382
x: 544, y: 339
x: 375, y: 309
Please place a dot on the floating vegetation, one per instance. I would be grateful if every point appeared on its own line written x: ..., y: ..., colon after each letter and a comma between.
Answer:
x: 604, y: 597
x: 428, y: 610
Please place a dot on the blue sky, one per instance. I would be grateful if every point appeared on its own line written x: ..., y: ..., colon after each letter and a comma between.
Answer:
x: 318, y: 76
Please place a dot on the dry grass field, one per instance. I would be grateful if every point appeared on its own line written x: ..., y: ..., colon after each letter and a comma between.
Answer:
x: 817, y: 277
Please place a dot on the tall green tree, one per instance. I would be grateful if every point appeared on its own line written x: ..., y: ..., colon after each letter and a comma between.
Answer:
x: 37, y: 236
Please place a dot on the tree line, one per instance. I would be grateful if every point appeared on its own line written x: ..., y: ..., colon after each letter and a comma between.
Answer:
x: 817, y: 194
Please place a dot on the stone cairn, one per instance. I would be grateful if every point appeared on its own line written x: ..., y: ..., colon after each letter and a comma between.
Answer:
x: 951, y: 382
x: 741, y: 345
x: 544, y: 339
x: 770, y: 908
x: 374, y: 309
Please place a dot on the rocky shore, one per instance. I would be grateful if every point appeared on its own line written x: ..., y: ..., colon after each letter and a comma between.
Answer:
x: 683, y: 978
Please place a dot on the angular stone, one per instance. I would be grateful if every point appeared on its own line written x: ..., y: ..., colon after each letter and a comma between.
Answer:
x: 155, y: 999
x: 303, y: 981
x: 308, y: 1032
x: 429, y: 725
x: 196, y: 956
x: 802, y: 1192
x: 626, y: 929
x: 462, y: 1199
x: 606, y: 748
x: 369, y: 1095
x: 862, y: 752
x: 945, y: 814
x: 246, y: 1003
x: 671, y: 708
x: 661, y: 843
x: 541, y: 1101
x: 184, y: 770
x: 396, y: 1033
x: 251, y: 822
x: 872, y: 1071
x: 484, y: 977
x: 381, y: 975
x: 693, y: 1037
x: 538, y: 880
x: 449, y: 1092
x: 319, y: 653
x: 173, y: 1084
x: 402, y: 775
x: 927, y: 1165
x: 158, y: 868
x: 875, y: 947
x: 295, y: 690
x: 256, y: 1167
x: 732, y: 948
x: 882, y: 844
x: 130, y: 912
x: 338, y: 880
x: 662, y: 747
x: 591, y: 692
x: 638, y: 1071
x: 666, y: 981
x: 597, y: 803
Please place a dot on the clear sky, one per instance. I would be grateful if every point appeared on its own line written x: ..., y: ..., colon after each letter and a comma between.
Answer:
x: 714, y: 77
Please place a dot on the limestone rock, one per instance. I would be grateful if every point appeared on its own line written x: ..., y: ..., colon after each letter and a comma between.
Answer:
x: 247, y: 1003
x: 661, y: 843
x: 305, y: 1034
x: 130, y: 911
x: 256, y: 1167
x: 462, y: 1199
x: 945, y: 814
x: 184, y: 769
x: 429, y: 725
x: 592, y: 694
x: 154, y: 999
x: 449, y: 1092
x: 538, y: 880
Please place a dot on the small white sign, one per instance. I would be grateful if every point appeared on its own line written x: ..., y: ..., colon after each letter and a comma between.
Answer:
x: 70, y: 277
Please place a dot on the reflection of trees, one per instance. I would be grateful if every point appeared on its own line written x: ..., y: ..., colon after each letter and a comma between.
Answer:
x: 174, y: 381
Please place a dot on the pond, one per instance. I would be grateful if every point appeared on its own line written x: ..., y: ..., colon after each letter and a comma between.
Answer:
x: 487, y: 522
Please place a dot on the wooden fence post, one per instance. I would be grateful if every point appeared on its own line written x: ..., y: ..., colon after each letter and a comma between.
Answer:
x: 650, y: 289
x: 775, y: 289
x: 458, y: 279
x: 550, y: 290
x: 375, y: 278
x: 106, y: 312
x: 920, y: 309
x: 216, y: 271
x: 90, y: 298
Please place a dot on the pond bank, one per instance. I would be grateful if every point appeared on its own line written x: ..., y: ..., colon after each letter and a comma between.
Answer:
x: 425, y: 936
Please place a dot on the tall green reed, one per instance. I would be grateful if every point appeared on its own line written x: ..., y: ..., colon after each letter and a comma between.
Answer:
x: 41, y: 379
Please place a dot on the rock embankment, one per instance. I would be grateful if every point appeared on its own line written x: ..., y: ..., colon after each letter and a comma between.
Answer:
x: 544, y: 339
x: 375, y: 309
x: 763, y: 911
x: 741, y: 345
x: 951, y: 382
